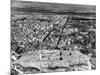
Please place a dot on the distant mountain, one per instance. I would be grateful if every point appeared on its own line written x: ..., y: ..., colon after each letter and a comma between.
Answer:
x: 28, y: 6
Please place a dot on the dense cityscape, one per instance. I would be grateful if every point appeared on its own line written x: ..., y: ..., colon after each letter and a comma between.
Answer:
x: 52, y: 42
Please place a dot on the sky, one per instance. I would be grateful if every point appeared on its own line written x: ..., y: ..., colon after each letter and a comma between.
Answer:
x: 89, y: 2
